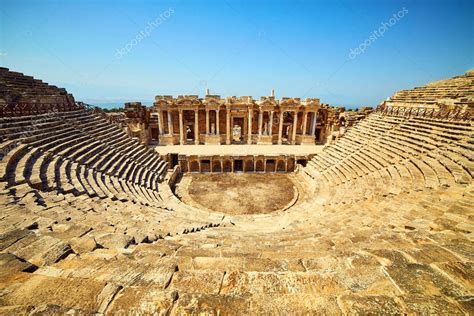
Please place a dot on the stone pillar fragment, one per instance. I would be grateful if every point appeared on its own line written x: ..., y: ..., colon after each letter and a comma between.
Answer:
x: 260, y: 121
x: 181, y: 128
x: 249, y: 134
x: 305, y: 121
x: 295, y: 124
x: 217, y: 123
x: 196, y: 127
x: 313, y: 123
x: 227, y: 125
x: 160, y: 122
x: 270, y: 125
x: 207, y: 122
x: 280, y: 128
x: 170, y: 123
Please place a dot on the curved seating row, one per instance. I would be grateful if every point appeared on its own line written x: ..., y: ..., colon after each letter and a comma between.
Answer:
x: 393, y: 154
x: 78, y: 152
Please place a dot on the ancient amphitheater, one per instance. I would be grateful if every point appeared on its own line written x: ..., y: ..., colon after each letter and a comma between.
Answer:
x: 376, y: 221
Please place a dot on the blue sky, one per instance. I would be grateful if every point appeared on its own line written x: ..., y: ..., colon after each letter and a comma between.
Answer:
x: 299, y: 48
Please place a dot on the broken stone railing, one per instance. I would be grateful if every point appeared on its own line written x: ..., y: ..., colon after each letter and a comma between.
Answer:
x: 23, y: 109
x: 456, y: 114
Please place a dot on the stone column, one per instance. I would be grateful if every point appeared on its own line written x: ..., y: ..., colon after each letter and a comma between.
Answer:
x: 207, y: 122
x: 249, y: 135
x: 295, y: 123
x: 196, y: 127
x: 160, y: 122
x: 181, y: 128
x: 260, y: 122
x: 217, y: 123
x: 270, y: 124
x: 227, y: 125
x: 305, y: 119
x: 170, y: 123
x: 280, y: 127
x: 313, y: 123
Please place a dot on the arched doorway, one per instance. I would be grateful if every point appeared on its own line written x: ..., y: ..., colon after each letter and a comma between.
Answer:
x: 281, y: 166
x: 194, y: 165
x: 270, y: 165
x: 259, y: 166
x: 249, y: 167
x: 216, y: 166
x: 238, y: 165
x: 227, y: 166
x: 205, y: 165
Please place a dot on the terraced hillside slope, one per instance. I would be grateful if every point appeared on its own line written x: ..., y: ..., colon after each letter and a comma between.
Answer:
x: 382, y: 225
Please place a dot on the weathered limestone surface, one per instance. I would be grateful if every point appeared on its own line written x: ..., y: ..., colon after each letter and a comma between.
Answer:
x: 382, y: 225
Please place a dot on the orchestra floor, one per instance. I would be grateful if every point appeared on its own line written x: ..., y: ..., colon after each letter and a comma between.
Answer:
x: 238, y: 193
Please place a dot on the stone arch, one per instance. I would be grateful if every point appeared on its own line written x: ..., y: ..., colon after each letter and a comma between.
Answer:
x: 216, y: 166
x: 248, y: 165
x: 194, y: 166
x: 290, y: 165
x: 281, y: 165
x: 205, y: 165
x: 227, y: 166
x: 270, y: 165
x: 260, y: 166
x: 238, y: 165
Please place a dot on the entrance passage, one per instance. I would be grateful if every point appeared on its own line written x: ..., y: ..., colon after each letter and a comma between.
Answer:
x: 302, y: 162
x: 173, y: 160
x: 238, y: 166
x: 205, y: 166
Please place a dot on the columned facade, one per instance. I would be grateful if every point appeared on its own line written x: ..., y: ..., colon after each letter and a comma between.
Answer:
x: 242, y: 120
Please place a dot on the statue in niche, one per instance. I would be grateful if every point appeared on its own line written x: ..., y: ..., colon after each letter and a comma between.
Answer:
x: 265, y: 128
x: 213, y: 129
x: 188, y: 132
x: 236, y: 133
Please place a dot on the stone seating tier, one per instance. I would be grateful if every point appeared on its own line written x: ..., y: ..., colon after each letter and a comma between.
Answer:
x: 67, y: 146
x: 429, y: 157
x: 382, y: 223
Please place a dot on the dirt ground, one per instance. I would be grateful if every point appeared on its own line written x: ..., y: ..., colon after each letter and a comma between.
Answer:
x: 241, y: 193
